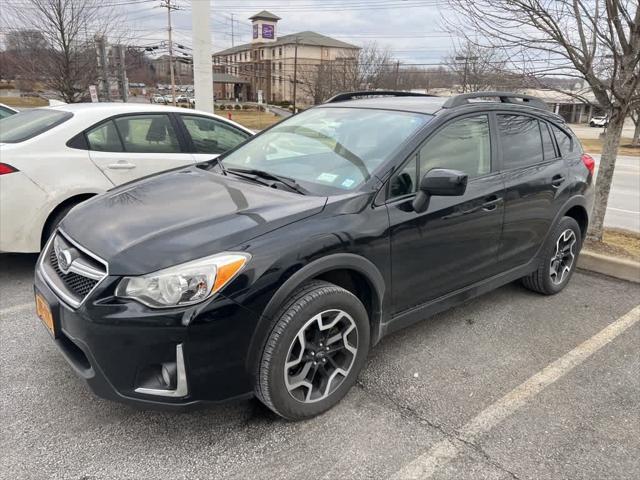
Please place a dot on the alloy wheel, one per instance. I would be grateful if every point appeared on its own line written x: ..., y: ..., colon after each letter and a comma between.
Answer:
x: 563, y: 257
x: 321, y: 356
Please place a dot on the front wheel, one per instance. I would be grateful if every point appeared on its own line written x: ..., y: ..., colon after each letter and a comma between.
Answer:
x: 558, y: 259
x: 315, y: 351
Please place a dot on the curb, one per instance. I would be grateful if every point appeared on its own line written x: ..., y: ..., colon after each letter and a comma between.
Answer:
x: 623, y: 269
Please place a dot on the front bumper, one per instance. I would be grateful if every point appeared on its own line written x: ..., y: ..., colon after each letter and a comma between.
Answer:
x: 117, y: 347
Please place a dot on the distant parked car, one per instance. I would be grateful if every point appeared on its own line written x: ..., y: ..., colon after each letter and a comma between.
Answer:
x: 158, y: 99
x: 6, y: 111
x: 54, y: 158
x: 601, y: 121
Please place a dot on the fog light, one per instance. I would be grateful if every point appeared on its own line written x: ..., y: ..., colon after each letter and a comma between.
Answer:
x: 169, y: 375
x: 174, y: 377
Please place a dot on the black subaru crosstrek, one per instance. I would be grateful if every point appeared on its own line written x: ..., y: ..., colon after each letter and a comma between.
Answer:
x: 272, y: 270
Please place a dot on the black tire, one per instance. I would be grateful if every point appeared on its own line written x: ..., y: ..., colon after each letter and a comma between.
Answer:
x: 54, y: 221
x: 309, y: 300
x: 541, y: 280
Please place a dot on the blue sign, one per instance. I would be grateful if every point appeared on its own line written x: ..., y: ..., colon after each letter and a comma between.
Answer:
x: 268, y: 31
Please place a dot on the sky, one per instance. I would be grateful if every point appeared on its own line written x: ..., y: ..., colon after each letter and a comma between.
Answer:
x: 412, y: 29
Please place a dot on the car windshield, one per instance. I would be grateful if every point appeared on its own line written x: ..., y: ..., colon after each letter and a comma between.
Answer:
x: 29, y: 123
x: 328, y: 150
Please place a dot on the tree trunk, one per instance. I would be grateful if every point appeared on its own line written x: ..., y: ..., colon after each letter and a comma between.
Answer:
x: 605, y: 173
x: 636, y: 133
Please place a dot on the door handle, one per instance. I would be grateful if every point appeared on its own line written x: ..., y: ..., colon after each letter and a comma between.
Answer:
x: 557, y: 180
x: 121, y: 166
x: 491, y: 203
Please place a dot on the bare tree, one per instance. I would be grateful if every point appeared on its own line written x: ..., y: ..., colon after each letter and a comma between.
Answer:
x: 477, y: 68
x: 370, y: 68
x: 66, y: 62
x: 635, y: 116
x: 595, y: 40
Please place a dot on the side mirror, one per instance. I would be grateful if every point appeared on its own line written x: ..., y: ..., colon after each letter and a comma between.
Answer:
x: 441, y: 182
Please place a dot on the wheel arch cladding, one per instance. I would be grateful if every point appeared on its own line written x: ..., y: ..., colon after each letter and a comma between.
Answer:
x: 352, y: 272
x: 579, y: 214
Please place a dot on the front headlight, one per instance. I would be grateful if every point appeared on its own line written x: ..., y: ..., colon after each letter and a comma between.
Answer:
x: 184, y: 284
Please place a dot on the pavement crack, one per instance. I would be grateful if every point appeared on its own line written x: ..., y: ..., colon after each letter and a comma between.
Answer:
x: 451, y: 435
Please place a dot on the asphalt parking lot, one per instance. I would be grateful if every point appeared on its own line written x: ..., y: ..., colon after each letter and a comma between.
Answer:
x: 441, y: 398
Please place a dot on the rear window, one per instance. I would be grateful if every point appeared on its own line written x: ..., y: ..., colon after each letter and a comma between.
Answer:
x: 30, y: 123
x: 521, y: 141
x: 564, y: 141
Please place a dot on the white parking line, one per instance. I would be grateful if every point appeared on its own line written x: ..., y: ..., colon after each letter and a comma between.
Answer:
x: 446, y: 450
x: 16, y: 308
x: 621, y: 210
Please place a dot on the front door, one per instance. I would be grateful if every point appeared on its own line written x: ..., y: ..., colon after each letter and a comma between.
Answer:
x: 132, y: 146
x: 454, y: 243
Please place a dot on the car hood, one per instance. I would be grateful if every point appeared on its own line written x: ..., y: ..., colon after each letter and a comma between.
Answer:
x: 178, y: 216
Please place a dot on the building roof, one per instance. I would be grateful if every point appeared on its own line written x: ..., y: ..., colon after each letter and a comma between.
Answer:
x: 303, y: 38
x: 264, y: 15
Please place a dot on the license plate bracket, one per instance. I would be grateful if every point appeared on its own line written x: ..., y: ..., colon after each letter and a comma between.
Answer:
x: 43, y: 310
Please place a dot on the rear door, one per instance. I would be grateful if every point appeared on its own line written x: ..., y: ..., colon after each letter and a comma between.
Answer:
x: 536, y: 184
x: 209, y: 137
x: 128, y: 147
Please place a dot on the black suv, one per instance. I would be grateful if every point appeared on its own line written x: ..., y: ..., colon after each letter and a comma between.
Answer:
x: 273, y: 270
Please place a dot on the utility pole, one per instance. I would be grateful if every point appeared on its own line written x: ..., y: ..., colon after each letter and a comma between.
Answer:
x: 466, y: 70
x: 295, y: 75
x: 122, y: 74
x: 104, y: 67
x: 397, y: 74
x: 202, y: 67
x: 167, y: 4
x: 233, y: 37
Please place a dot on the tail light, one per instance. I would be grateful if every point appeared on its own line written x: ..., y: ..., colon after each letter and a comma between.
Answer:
x: 5, y: 168
x: 589, y: 162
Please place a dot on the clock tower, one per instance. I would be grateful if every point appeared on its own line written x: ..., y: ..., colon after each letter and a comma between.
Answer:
x: 264, y: 27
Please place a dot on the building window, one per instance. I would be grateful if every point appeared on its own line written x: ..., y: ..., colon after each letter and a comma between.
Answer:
x: 273, y: 53
x: 280, y: 51
x: 262, y: 53
x: 280, y: 66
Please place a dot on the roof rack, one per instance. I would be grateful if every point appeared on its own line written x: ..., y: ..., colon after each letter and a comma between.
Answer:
x: 504, y: 97
x: 342, y: 97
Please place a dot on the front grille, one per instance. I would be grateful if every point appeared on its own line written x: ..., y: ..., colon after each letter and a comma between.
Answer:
x: 78, y: 284
x: 84, y: 272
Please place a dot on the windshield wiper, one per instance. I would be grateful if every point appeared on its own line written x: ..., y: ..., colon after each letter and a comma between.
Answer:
x: 254, y: 172
x: 208, y: 164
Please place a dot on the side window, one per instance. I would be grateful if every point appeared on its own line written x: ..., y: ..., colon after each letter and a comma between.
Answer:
x: 547, y: 142
x: 520, y: 140
x: 463, y: 145
x: 565, y: 144
x: 148, y: 134
x: 104, y: 138
x: 404, y: 181
x: 212, y: 136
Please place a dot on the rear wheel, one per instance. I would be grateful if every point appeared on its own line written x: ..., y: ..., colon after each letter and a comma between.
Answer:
x: 558, y: 259
x: 315, y: 351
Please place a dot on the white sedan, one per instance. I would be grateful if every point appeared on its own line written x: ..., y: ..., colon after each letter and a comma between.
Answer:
x: 53, y: 158
x: 6, y: 111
